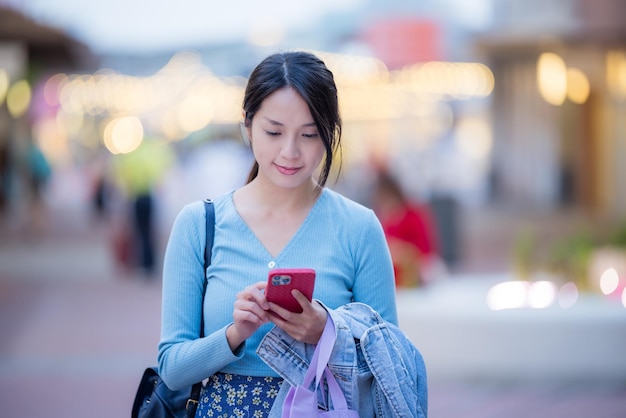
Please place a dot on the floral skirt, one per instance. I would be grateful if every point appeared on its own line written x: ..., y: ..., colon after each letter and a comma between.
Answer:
x: 233, y: 396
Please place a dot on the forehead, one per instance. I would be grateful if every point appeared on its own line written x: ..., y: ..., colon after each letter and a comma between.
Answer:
x: 285, y: 105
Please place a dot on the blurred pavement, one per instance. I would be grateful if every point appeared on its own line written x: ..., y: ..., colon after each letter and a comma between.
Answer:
x: 76, y: 335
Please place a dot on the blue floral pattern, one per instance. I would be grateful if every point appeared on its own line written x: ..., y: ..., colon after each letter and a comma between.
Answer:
x: 234, y: 396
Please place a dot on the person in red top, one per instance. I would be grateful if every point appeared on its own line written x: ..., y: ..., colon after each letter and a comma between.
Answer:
x: 410, y: 231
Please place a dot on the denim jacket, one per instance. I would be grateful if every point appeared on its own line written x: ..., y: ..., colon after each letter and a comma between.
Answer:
x: 382, y: 374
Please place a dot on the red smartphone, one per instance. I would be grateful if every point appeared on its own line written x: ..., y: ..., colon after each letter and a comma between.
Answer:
x: 280, y: 282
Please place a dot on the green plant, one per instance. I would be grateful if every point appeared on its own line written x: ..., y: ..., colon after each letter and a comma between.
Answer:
x: 524, y: 254
x: 570, y: 258
x: 618, y: 238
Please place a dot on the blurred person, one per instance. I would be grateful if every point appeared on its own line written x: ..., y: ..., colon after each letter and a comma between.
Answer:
x: 102, y: 189
x: 110, y: 201
x: 284, y: 216
x: 5, y: 171
x: 39, y: 172
x: 410, y: 231
x: 34, y: 172
x: 100, y: 199
x: 139, y: 173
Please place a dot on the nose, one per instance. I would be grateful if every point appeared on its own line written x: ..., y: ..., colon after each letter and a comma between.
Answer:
x: 290, y: 149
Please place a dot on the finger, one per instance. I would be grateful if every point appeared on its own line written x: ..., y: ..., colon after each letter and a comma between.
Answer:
x: 254, y: 293
x: 283, y: 313
x: 247, y: 319
x: 304, y: 302
x: 250, y: 305
x: 294, y: 328
x: 248, y: 316
x: 260, y: 285
x: 260, y: 294
x: 291, y: 328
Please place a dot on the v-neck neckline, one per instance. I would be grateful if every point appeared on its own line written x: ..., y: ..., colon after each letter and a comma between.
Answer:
x: 294, y: 238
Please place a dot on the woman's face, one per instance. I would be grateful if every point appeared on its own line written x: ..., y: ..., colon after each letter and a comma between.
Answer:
x: 285, y: 141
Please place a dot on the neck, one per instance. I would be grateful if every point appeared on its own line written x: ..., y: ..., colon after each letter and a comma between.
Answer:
x: 277, y: 198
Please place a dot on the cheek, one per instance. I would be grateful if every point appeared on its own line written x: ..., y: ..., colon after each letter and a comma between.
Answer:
x: 318, y: 153
x: 255, y: 145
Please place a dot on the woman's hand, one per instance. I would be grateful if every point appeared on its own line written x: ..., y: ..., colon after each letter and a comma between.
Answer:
x: 306, y: 327
x: 249, y: 313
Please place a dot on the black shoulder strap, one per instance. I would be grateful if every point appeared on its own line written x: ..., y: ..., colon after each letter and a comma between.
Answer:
x: 210, y: 231
x: 208, y: 249
x: 192, y: 403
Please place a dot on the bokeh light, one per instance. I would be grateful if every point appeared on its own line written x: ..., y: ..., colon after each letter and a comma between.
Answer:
x: 184, y: 96
x: 541, y: 294
x: 524, y: 294
x: 567, y: 295
x: 552, y: 78
x: 577, y: 86
x: 52, y: 139
x: 616, y: 73
x: 609, y: 281
x: 123, y: 135
x: 52, y: 89
x: 18, y: 98
x: 4, y: 84
x: 508, y: 295
x: 473, y: 136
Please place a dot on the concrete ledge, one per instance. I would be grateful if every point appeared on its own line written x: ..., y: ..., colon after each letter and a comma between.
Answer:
x: 462, y: 339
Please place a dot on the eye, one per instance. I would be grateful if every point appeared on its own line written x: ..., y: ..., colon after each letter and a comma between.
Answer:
x: 272, y: 133
x: 310, y: 135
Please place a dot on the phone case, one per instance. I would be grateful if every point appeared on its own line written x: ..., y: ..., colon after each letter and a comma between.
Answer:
x: 280, y: 282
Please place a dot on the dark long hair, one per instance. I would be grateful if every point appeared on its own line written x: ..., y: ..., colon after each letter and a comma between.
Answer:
x: 314, y: 82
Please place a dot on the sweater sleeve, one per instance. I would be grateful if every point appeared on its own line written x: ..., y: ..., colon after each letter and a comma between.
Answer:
x: 374, y: 282
x: 183, y: 357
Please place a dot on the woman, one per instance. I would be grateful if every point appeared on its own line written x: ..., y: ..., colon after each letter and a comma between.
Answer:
x: 283, y: 217
x: 410, y: 232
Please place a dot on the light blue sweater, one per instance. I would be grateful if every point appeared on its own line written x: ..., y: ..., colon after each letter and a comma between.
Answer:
x: 342, y: 240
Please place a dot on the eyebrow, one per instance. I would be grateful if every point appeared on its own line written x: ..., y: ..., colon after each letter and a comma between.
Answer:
x: 277, y: 123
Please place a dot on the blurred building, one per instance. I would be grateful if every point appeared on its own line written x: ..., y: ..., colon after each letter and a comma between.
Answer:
x: 41, y: 47
x: 29, y: 52
x: 548, y: 133
x: 559, y: 104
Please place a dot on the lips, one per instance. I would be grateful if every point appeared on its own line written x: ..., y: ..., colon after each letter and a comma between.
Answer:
x: 288, y: 171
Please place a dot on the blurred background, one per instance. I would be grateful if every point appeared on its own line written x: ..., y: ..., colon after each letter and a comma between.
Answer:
x: 499, y: 126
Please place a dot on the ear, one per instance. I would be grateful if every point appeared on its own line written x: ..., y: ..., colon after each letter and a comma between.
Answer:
x: 245, y: 132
